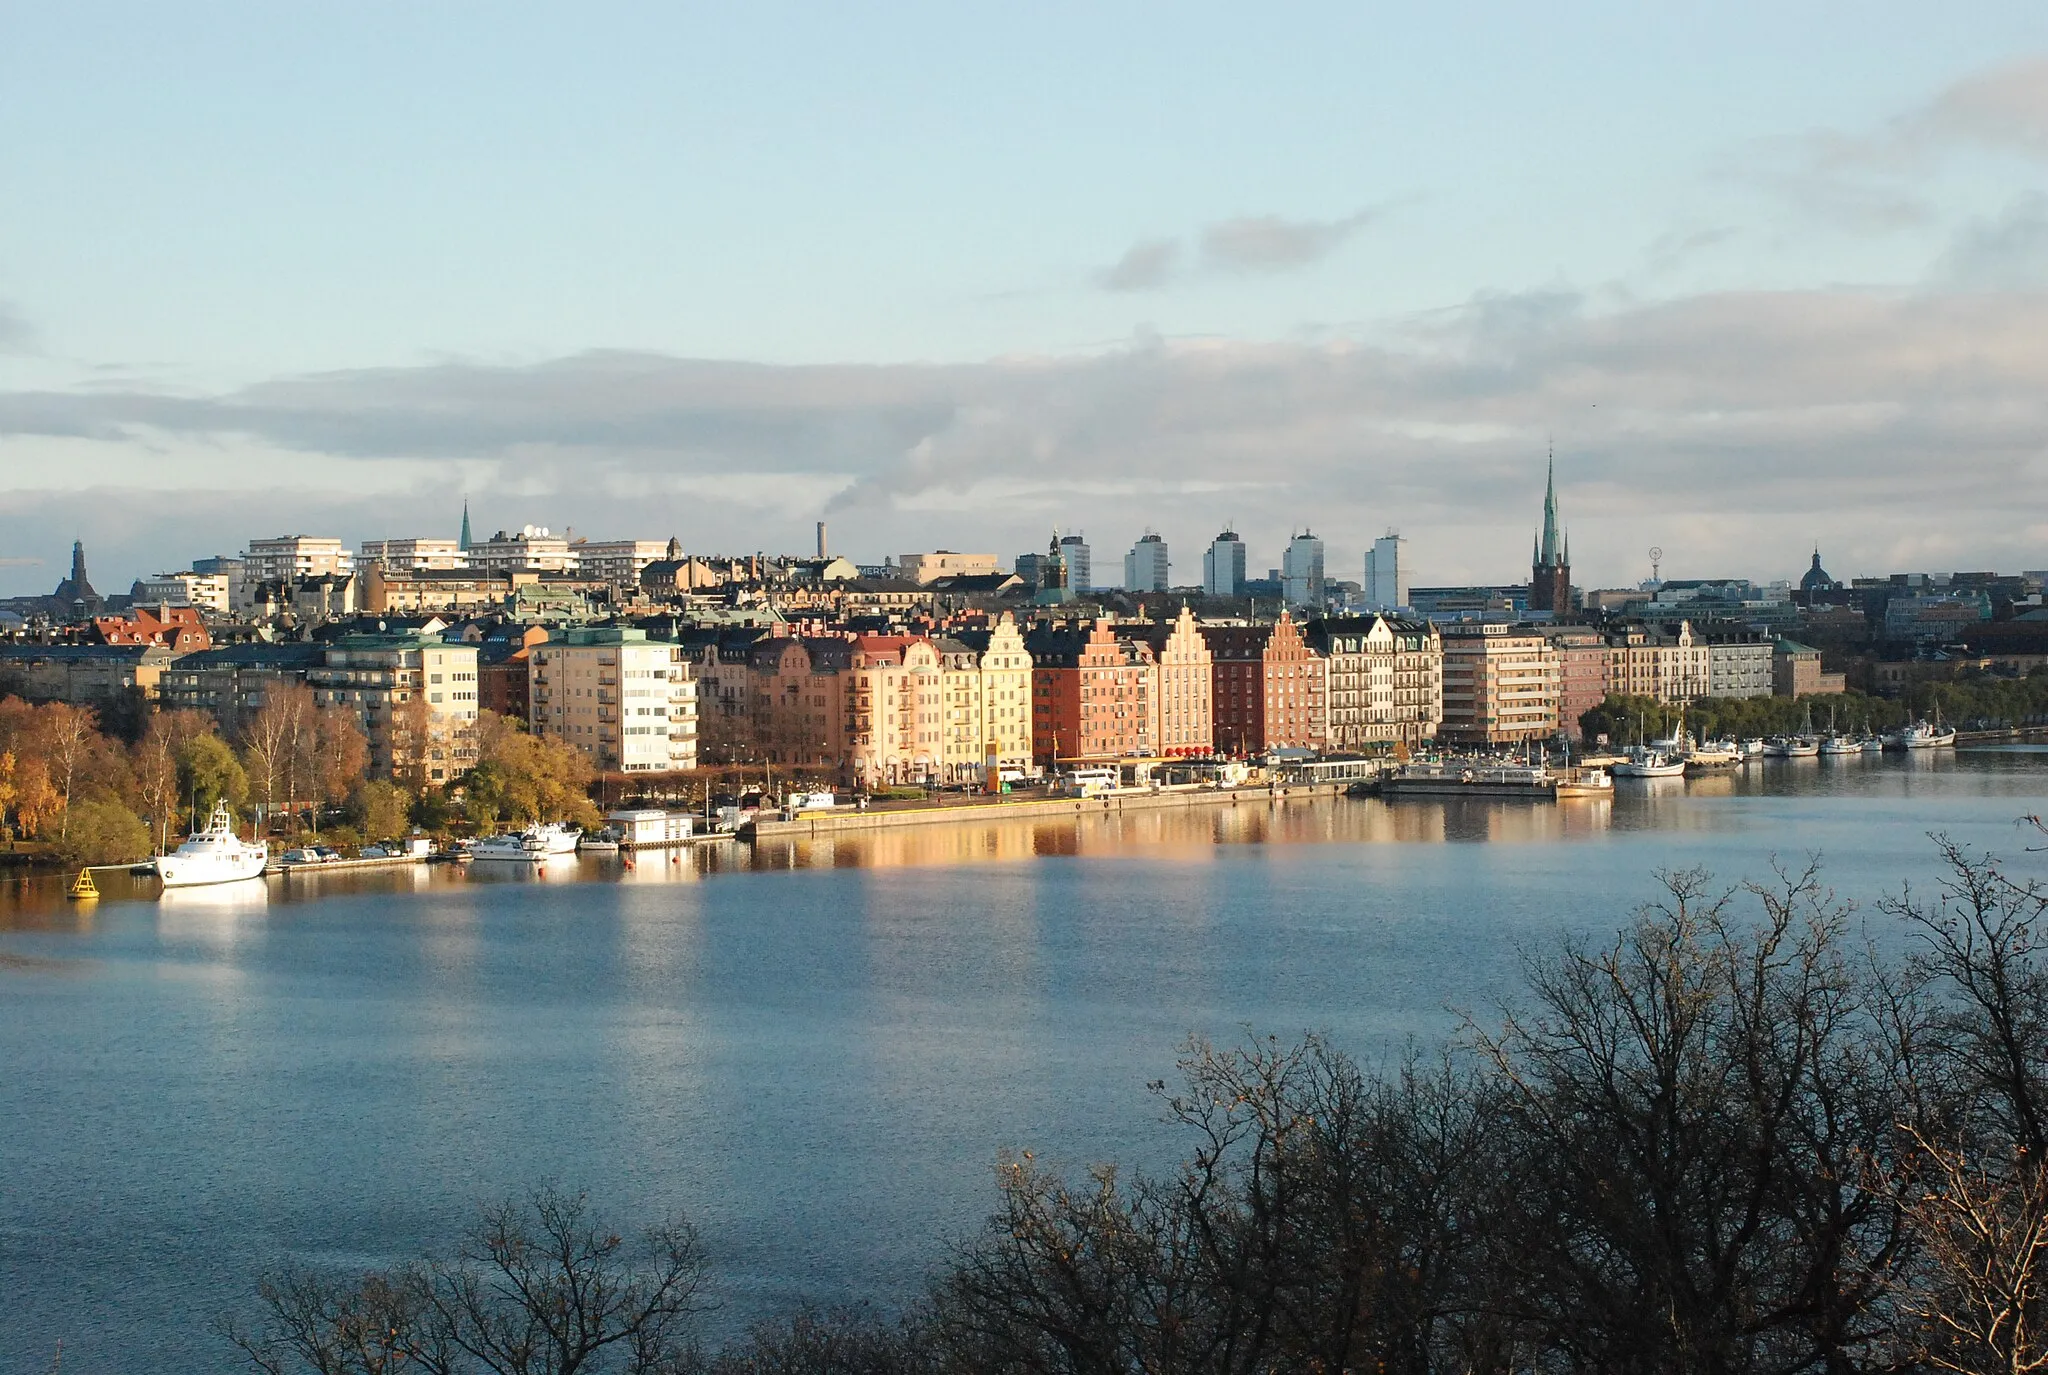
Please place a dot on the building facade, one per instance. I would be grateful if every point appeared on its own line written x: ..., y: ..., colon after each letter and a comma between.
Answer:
x: 1183, y: 691
x: 1301, y: 572
x: 1147, y: 567
x: 1268, y: 688
x: 627, y: 702
x: 529, y: 549
x: 1500, y: 685
x: 1550, y: 567
x: 1386, y: 573
x: 1582, y: 673
x: 1738, y: 662
x: 417, y: 552
x: 1223, y: 566
x: 293, y: 558
x: 415, y: 696
x: 1383, y: 680
x: 1091, y: 694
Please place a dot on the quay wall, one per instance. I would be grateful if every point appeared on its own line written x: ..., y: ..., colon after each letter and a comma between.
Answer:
x: 839, y: 822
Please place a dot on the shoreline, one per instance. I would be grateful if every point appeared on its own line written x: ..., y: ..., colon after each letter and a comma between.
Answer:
x: 817, y: 824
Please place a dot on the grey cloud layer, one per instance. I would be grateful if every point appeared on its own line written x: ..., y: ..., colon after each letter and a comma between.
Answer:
x: 1872, y: 418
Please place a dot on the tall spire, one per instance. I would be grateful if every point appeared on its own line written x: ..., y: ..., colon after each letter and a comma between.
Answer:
x: 465, y: 524
x: 1551, y: 553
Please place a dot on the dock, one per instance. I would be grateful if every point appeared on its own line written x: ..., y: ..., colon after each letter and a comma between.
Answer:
x: 842, y: 820
x: 336, y: 866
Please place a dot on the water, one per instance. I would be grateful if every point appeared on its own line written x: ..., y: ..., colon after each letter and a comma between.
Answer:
x: 816, y: 1050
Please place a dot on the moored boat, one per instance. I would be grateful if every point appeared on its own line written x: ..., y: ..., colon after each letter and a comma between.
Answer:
x: 1644, y: 762
x: 214, y: 855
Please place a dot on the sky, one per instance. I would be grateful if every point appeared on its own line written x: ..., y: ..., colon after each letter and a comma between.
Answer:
x: 1763, y: 277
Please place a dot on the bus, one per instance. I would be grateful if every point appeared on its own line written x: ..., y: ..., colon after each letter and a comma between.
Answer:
x: 1092, y: 782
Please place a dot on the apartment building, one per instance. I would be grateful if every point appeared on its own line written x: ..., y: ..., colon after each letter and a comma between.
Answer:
x: 1384, y: 680
x: 1183, y: 697
x: 1148, y: 568
x: 211, y: 593
x: 999, y: 701
x: 627, y: 702
x: 416, y: 697
x: 412, y: 554
x: 1583, y: 663
x: 619, y: 561
x: 1738, y: 662
x: 1668, y: 666
x: 1091, y: 693
x: 942, y: 563
x: 294, y: 558
x: 1267, y: 688
x: 529, y: 549
x: 82, y: 674
x: 894, y: 710
x: 1500, y: 684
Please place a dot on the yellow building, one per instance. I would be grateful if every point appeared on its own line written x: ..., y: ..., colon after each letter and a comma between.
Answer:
x: 993, y: 699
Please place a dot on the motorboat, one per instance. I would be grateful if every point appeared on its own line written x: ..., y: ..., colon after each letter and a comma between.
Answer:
x: 1921, y: 735
x: 1644, y: 762
x: 554, y: 837
x: 1714, y: 754
x: 214, y: 855
x: 1753, y: 748
x: 1872, y: 744
x: 598, y: 843
x: 510, y: 847
x: 1791, y: 747
x: 1833, y: 746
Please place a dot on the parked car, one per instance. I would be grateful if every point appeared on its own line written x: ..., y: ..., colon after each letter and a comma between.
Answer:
x: 375, y: 852
x: 328, y: 854
x: 303, y: 855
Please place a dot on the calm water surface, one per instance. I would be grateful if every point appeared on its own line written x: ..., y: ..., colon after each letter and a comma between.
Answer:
x: 814, y: 1049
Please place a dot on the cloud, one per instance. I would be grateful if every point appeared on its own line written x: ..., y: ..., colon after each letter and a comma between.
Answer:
x: 2003, y: 107
x: 16, y: 334
x: 1145, y: 265
x: 1730, y: 427
x: 2005, y: 252
x: 1268, y: 243
x: 1246, y: 244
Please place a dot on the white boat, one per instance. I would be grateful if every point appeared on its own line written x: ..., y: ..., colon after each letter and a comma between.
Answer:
x: 535, y: 845
x: 1835, y: 745
x: 1872, y: 744
x: 1649, y: 763
x: 598, y: 844
x: 1791, y: 747
x: 1921, y: 736
x: 1714, y: 754
x: 1753, y: 748
x: 214, y: 855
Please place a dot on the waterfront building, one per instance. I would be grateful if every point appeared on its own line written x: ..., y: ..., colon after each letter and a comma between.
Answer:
x: 529, y: 549
x: 1223, y: 566
x: 1550, y: 567
x: 1500, y: 684
x: 1583, y: 663
x: 1383, y: 680
x: 1074, y: 552
x: 1001, y: 695
x: 1738, y: 661
x: 1796, y: 671
x: 415, y: 697
x: 417, y: 552
x: 618, y: 561
x: 627, y: 702
x: 893, y: 710
x: 794, y: 707
x: 1182, y: 696
x: 1146, y: 567
x: 1301, y: 572
x: 1091, y: 693
x: 1670, y: 666
x: 1267, y: 688
x: 502, y: 685
x: 941, y: 563
x: 294, y: 558
x: 1386, y: 573
x: 207, y: 592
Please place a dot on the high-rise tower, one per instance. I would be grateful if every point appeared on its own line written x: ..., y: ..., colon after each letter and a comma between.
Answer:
x: 1550, y: 564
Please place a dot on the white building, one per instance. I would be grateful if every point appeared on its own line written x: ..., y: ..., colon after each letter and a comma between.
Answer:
x: 1386, y: 573
x: 294, y: 558
x: 530, y: 549
x: 943, y: 563
x: 1301, y: 571
x: 618, y: 560
x: 627, y: 702
x: 211, y: 592
x: 1223, y: 566
x: 1146, y: 566
x: 1080, y: 564
x: 411, y: 555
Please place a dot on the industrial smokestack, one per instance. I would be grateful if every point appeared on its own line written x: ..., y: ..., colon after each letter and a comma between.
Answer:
x: 821, y: 541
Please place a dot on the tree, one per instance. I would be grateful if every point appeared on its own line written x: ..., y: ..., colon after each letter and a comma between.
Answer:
x: 341, y: 756
x: 525, y: 778
x: 67, y: 737
x: 209, y: 773
x: 537, y: 1287
x: 275, y: 744
x: 378, y: 809
x: 101, y: 832
x: 159, y: 784
x: 1699, y: 1117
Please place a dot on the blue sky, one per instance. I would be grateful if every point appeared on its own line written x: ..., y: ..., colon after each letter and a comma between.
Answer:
x: 958, y: 274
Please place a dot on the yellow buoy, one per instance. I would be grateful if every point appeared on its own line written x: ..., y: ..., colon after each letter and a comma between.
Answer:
x: 83, y: 886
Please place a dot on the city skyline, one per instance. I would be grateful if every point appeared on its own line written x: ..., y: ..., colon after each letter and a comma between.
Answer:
x: 1219, y: 282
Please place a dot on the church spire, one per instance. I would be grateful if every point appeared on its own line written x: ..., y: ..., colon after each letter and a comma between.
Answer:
x: 1550, y: 555
x: 465, y: 525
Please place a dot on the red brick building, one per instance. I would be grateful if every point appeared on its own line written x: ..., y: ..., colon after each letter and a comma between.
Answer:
x: 1091, y: 693
x: 1269, y: 688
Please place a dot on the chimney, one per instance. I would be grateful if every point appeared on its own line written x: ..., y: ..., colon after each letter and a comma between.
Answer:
x: 821, y: 541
